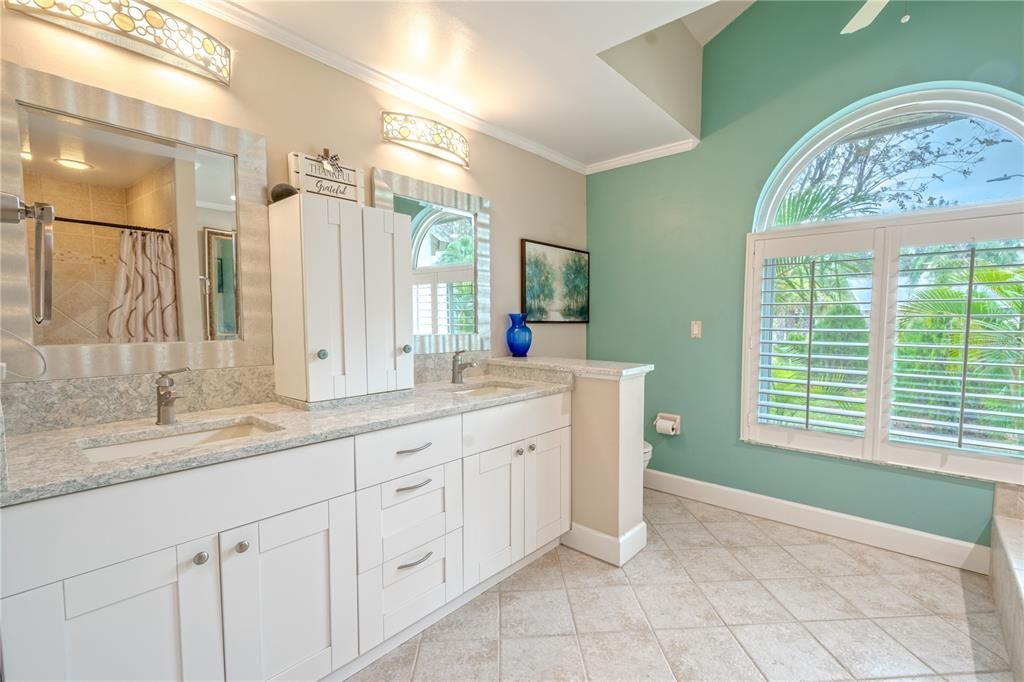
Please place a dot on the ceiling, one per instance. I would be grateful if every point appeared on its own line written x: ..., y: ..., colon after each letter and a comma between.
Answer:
x: 527, y: 73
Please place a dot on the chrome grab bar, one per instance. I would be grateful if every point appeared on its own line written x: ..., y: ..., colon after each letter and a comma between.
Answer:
x: 415, y: 563
x: 407, y: 488
x: 413, y: 451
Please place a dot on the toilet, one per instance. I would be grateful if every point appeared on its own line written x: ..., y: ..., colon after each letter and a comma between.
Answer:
x: 648, y: 450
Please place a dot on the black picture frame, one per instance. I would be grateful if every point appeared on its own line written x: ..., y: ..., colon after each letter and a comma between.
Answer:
x: 548, y: 302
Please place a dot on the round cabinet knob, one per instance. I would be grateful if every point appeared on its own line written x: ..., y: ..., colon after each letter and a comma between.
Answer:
x: 532, y: 446
x: 519, y: 452
x: 242, y: 547
x: 406, y: 348
x: 201, y: 558
x: 322, y: 353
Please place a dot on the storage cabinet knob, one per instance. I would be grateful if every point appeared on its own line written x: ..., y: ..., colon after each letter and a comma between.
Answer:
x: 531, y: 447
x: 201, y: 558
x: 322, y: 353
x: 519, y: 452
x: 406, y: 348
x: 242, y: 547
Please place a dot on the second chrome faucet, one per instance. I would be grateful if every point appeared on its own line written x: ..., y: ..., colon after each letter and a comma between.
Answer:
x: 458, y: 367
x: 166, y: 397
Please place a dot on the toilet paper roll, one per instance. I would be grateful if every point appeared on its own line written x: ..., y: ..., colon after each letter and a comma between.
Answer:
x: 665, y: 426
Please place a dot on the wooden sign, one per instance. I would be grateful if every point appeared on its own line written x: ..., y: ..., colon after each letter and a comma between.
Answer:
x: 310, y: 175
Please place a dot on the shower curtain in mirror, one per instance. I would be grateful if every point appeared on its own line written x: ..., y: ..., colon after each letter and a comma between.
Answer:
x: 144, y: 305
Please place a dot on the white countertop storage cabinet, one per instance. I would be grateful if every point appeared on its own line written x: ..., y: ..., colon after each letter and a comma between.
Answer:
x: 342, y: 307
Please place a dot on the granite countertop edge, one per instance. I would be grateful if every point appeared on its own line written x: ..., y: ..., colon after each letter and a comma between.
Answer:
x: 60, y: 452
x: 576, y: 366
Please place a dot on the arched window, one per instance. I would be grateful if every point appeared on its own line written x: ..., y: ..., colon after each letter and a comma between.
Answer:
x: 885, y: 303
x: 443, y: 276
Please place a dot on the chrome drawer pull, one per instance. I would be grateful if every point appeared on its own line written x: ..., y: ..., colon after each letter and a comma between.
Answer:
x: 413, y: 451
x: 407, y: 488
x: 417, y: 562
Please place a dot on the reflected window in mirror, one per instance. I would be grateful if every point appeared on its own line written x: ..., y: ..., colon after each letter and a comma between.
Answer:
x: 444, y: 267
x: 131, y: 260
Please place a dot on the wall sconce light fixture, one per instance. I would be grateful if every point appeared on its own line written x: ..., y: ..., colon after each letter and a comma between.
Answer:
x: 426, y: 135
x: 139, y: 26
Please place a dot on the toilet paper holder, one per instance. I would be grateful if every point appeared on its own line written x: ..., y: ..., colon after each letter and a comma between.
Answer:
x: 667, y: 424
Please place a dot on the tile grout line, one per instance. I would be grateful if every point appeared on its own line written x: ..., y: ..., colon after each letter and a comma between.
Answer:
x: 572, y: 615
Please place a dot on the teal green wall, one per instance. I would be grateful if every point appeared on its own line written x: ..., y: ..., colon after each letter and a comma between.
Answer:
x: 667, y: 238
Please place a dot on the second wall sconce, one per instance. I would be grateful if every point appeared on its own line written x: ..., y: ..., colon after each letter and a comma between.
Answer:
x: 426, y: 135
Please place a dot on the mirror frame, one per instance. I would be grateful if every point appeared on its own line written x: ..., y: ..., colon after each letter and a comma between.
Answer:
x: 27, y: 86
x: 386, y: 185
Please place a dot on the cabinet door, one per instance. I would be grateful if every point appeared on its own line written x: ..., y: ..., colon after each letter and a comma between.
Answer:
x: 332, y: 264
x: 388, y: 286
x: 289, y: 586
x: 493, y: 511
x: 547, y: 487
x: 154, y: 617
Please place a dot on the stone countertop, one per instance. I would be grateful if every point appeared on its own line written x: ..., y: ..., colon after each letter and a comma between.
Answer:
x: 51, y: 463
x: 581, y: 367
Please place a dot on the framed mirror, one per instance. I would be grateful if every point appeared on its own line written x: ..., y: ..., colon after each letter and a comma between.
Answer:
x: 160, y: 239
x: 451, y: 258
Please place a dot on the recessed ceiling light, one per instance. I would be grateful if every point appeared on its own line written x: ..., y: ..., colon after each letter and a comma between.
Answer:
x: 27, y: 156
x: 73, y: 164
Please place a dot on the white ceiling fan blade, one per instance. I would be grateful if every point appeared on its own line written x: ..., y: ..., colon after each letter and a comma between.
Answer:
x: 864, y: 16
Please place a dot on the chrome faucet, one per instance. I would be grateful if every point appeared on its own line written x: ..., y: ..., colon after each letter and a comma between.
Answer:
x: 165, y: 397
x: 459, y: 367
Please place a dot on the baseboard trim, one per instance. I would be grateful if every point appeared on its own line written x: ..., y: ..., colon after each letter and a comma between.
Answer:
x: 613, y: 550
x: 917, y: 543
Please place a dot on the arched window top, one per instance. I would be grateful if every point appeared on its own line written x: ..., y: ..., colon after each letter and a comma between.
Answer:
x: 932, y: 146
x: 443, y: 239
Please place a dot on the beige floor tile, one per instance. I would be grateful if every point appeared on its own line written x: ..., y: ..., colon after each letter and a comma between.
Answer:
x: 543, y: 574
x: 880, y: 560
x: 650, y: 568
x: 744, y: 602
x: 655, y: 543
x: 658, y: 497
x: 827, y: 560
x: 618, y: 656
x: 788, y: 535
x: 941, y: 646
x: 786, y: 651
x: 676, y: 606
x: 770, y: 562
x: 475, y: 659
x: 394, y: 666
x: 979, y: 677
x: 706, y: 654
x: 671, y: 512
x: 984, y: 628
x: 606, y: 609
x: 476, y: 620
x: 941, y: 595
x: 975, y: 582
x: 686, y: 535
x: 707, y: 513
x: 737, y: 534
x: 865, y: 650
x: 580, y: 570
x: 541, y: 658
x: 711, y: 564
x: 811, y: 599
x: 534, y: 614
x: 875, y: 596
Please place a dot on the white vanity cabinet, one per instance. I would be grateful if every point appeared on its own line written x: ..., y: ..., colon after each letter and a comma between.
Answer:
x: 517, y: 495
x: 156, y: 616
x: 342, y: 312
x: 289, y: 593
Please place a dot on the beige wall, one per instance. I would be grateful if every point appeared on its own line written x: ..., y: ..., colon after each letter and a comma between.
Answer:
x: 302, y: 105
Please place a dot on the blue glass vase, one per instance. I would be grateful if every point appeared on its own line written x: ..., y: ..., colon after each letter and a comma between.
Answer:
x: 518, y: 336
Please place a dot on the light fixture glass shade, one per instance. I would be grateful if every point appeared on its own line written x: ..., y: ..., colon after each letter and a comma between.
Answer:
x: 138, y: 26
x: 426, y: 135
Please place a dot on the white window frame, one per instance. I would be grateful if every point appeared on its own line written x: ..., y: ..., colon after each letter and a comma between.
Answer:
x: 884, y: 236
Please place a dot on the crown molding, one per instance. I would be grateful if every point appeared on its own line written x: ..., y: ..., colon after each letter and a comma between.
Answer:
x: 232, y: 13
x: 638, y: 157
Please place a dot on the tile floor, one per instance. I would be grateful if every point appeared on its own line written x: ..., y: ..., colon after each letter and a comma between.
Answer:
x: 717, y: 595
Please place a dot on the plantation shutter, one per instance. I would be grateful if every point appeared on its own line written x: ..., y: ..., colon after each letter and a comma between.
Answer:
x: 958, y: 352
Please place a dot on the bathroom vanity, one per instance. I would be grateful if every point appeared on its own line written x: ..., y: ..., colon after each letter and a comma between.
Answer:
x: 289, y: 551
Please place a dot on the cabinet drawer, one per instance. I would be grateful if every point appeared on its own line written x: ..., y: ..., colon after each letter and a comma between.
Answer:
x: 384, y: 455
x: 495, y: 426
x: 402, y: 514
x: 402, y: 591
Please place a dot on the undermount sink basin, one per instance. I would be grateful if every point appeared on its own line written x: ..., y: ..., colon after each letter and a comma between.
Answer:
x: 150, y: 442
x: 483, y: 389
